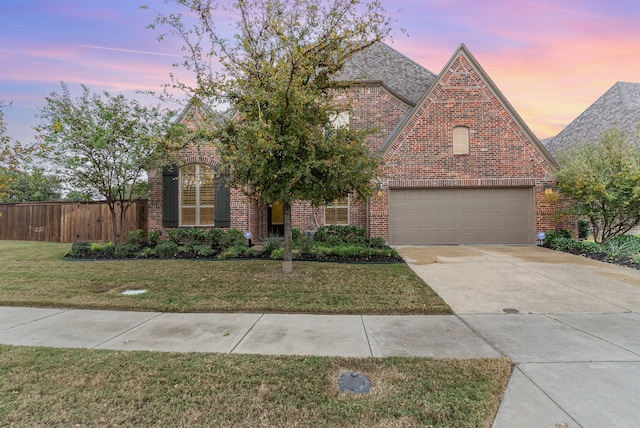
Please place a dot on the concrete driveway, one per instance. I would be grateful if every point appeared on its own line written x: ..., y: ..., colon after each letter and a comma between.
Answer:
x: 529, y: 279
x: 571, y: 325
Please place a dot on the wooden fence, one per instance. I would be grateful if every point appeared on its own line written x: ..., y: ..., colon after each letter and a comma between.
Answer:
x: 66, y: 221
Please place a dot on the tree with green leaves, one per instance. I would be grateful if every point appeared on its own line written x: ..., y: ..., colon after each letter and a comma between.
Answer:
x: 12, y: 156
x: 278, y: 76
x: 33, y: 186
x: 602, y: 183
x: 102, y: 144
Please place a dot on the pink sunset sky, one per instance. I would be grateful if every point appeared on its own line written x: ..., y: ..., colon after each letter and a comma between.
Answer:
x: 550, y: 58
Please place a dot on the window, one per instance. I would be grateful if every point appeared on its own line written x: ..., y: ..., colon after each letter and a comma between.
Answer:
x: 337, y: 212
x: 460, y: 140
x: 340, y: 120
x: 197, y: 194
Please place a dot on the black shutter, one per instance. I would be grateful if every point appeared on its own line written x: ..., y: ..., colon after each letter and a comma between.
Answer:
x: 170, y: 184
x: 222, y: 204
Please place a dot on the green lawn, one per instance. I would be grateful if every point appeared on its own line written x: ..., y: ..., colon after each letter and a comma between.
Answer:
x: 35, y: 274
x: 78, y: 387
x: 73, y: 388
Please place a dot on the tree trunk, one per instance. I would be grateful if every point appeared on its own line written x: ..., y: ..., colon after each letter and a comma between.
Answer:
x: 287, y: 263
x: 114, y: 222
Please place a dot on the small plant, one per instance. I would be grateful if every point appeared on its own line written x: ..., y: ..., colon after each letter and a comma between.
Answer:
x: 377, y: 242
x: 146, y: 253
x: 296, y: 234
x: 235, y: 251
x: 277, y: 254
x: 96, y: 246
x: 153, y: 237
x: 357, y: 240
x: 174, y: 235
x: 214, y: 235
x: 135, y: 237
x: 621, y: 247
x: 109, y: 248
x: 166, y: 249
x: 273, y: 243
x: 203, y: 250
x: 305, y: 245
x: 231, y: 237
x: 126, y: 251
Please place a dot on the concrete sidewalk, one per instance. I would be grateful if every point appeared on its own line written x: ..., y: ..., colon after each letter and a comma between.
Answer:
x: 437, y: 336
x: 582, y: 370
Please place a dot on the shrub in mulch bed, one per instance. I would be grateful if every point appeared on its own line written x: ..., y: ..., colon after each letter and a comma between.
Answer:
x: 623, y: 250
x: 344, y: 244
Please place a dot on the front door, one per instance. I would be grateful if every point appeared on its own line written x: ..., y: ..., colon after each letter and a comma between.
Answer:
x: 275, y: 219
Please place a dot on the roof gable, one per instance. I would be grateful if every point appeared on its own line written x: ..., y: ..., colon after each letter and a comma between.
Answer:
x: 462, y: 53
x: 618, y: 108
x: 381, y: 63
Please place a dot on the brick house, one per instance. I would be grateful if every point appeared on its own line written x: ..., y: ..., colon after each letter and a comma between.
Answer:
x: 461, y: 167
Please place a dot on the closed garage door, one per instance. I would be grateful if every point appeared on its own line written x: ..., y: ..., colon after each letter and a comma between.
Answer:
x: 462, y: 216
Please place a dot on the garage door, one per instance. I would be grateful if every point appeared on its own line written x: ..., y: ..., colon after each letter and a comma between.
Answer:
x: 462, y: 216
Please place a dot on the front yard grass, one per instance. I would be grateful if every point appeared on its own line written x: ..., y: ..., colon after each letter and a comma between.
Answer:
x: 63, y: 387
x: 35, y: 274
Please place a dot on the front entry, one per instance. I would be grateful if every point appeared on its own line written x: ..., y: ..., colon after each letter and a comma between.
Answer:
x: 275, y: 219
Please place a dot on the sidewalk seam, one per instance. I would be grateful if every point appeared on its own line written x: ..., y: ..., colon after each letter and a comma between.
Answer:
x: 246, y: 334
x: 517, y: 367
x: 126, y: 331
x: 366, y: 335
x: 62, y: 311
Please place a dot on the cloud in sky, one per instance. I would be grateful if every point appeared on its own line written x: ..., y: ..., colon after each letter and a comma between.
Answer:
x: 551, y: 59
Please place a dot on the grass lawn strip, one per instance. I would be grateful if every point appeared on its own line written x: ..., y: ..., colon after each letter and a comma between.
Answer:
x: 34, y: 274
x: 64, y: 387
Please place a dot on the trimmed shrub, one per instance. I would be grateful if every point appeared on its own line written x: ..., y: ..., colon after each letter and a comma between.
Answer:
x: 277, y: 254
x: 166, y: 249
x: 231, y: 237
x: 126, y: 251
x: 344, y: 232
x: 214, y: 235
x: 153, y: 237
x: 79, y: 249
x: 235, y: 251
x: 203, y: 250
x: 135, y: 237
x: 377, y: 242
x: 583, y: 229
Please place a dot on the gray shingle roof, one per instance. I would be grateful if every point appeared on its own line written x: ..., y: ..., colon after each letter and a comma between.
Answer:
x: 381, y: 63
x: 619, y: 108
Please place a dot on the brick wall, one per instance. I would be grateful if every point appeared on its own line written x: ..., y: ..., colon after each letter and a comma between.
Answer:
x: 500, y: 153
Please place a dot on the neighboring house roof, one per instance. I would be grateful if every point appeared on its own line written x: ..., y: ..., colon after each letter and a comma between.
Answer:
x: 381, y: 63
x: 618, y: 108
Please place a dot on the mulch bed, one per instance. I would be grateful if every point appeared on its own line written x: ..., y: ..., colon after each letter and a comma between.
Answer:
x: 604, y: 257
x: 192, y: 255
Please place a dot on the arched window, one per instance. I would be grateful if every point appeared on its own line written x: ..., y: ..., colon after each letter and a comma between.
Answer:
x: 460, y: 140
x: 197, y: 195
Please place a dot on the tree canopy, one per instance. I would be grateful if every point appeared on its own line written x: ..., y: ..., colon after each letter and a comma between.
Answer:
x: 12, y: 156
x: 278, y: 76
x: 602, y: 183
x: 102, y: 144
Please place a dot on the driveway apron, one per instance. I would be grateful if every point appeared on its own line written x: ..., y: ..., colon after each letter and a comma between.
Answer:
x: 568, y: 323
